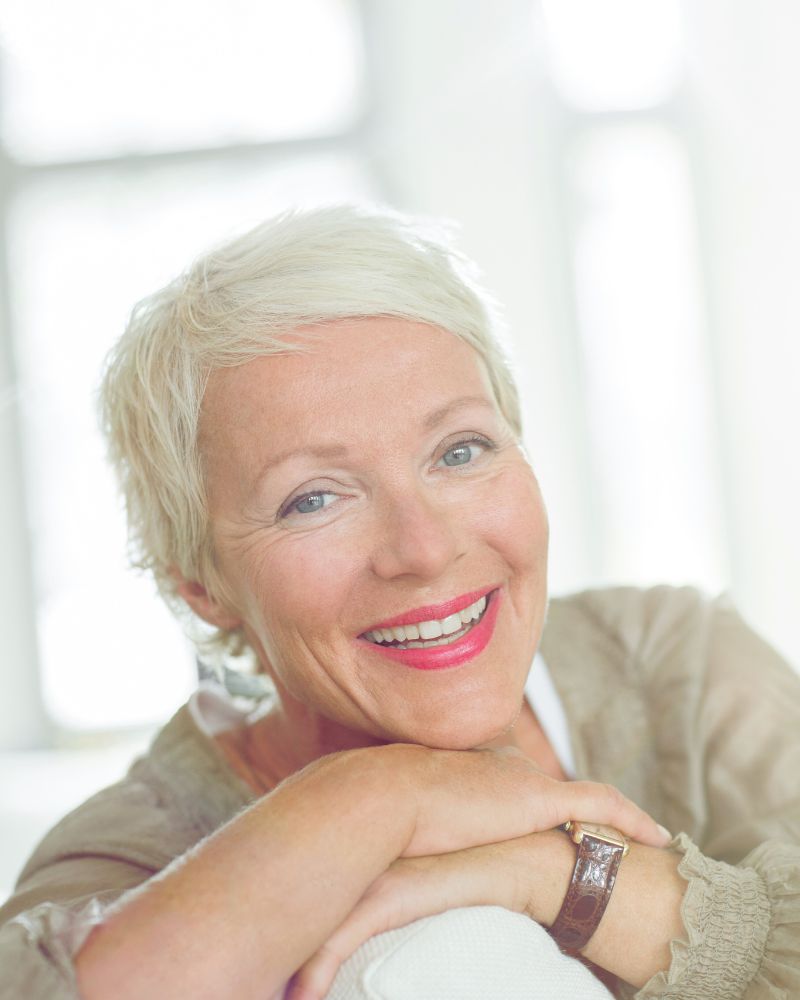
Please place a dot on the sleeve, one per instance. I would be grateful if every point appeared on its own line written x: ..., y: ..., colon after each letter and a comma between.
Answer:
x: 94, y: 857
x: 741, y: 910
x: 52, y: 914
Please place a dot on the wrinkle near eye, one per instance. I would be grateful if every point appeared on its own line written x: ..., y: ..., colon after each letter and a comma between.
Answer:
x: 241, y: 536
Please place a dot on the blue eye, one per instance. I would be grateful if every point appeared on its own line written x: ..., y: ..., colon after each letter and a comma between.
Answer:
x: 464, y: 452
x: 460, y: 455
x: 309, y: 503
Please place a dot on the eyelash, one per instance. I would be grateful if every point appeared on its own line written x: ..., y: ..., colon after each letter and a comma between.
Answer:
x: 478, y: 439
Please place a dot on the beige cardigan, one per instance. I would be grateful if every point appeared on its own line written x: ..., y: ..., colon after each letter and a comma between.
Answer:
x: 667, y: 694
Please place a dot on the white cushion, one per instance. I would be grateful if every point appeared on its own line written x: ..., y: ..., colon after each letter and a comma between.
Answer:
x: 474, y: 953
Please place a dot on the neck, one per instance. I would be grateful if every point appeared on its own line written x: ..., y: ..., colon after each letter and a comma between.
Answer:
x: 290, y: 739
x: 292, y: 736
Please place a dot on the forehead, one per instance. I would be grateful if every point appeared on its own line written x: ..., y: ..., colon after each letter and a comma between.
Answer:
x: 350, y: 373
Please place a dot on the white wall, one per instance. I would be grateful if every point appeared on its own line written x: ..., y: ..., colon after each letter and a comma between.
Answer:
x: 22, y: 721
x: 744, y: 81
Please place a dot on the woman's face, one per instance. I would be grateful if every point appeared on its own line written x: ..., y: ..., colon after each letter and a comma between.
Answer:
x: 363, y: 482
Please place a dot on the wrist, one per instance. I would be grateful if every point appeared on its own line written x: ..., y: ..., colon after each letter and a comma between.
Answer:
x: 645, y: 907
x: 549, y: 875
x: 643, y: 915
x: 400, y: 775
x: 599, y: 853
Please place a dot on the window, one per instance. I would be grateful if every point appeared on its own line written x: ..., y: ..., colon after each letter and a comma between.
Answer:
x: 628, y: 202
x: 135, y: 134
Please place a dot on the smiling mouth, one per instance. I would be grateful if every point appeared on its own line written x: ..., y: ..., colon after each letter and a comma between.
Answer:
x: 428, y: 634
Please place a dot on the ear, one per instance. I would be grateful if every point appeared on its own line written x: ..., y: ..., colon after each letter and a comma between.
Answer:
x: 204, y: 605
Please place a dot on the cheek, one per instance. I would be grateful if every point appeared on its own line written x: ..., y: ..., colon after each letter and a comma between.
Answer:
x: 513, y: 519
x: 300, y: 589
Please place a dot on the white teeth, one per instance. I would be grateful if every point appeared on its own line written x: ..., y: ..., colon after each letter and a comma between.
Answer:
x: 429, y: 630
x: 452, y: 624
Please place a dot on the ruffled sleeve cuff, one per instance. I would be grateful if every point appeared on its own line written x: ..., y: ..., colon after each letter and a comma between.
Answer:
x: 37, y: 949
x: 742, y: 925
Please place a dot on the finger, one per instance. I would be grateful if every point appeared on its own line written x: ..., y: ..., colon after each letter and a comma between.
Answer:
x: 485, y: 796
x: 473, y: 797
x: 602, y: 803
x: 408, y: 891
x: 313, y: 979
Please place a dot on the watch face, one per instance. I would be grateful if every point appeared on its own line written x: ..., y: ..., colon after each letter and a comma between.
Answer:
x: 606, y: 833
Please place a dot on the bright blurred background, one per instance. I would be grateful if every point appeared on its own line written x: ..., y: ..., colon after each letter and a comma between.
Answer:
x: 625, y: 173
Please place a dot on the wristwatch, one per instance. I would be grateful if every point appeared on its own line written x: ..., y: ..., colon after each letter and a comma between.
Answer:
x: 600, y: 851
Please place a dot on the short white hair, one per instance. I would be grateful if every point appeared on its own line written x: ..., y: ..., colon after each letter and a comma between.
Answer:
x: 237, y: 302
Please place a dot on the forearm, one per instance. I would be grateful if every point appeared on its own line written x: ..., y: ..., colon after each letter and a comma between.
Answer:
x: 643, y: 914
x: 238, y: 915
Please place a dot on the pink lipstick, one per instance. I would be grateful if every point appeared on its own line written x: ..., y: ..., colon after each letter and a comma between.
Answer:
x: 433, y: 611
x: 449, y: 654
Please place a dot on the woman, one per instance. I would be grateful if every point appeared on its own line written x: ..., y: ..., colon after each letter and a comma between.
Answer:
x: 318, y: 443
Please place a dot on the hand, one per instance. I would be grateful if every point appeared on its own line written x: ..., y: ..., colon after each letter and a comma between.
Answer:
x: 412, y: 888
x: 465, y: 798
x: 527, y: 875
x: 477, y: 817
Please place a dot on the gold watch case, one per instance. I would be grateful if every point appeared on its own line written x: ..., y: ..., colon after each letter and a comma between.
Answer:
x: 577, y: 828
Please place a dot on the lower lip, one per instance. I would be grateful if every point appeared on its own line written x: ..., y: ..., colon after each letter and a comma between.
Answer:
x: 455, y: 653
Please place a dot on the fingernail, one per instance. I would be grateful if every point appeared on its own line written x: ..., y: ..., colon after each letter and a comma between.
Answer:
x: 664, y: 832
x: 299, y: 993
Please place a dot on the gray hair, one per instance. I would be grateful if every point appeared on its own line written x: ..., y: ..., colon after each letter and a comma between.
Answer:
x: 235, y: 303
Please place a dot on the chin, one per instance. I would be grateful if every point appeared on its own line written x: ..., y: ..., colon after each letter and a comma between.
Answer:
x: 462, y: 742
x: 470, y: 735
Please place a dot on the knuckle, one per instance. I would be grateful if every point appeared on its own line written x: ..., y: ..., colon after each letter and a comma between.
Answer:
x: 330, y: 953
x: 614, y: 796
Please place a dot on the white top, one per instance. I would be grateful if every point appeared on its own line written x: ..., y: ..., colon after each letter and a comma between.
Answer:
x: 546, y: 703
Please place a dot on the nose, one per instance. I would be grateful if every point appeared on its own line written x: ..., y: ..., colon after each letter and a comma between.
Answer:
x: 415, y: 537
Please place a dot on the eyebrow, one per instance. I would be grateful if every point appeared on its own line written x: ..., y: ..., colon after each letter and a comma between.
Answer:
x: 433, y: 419
x: 428, y: 423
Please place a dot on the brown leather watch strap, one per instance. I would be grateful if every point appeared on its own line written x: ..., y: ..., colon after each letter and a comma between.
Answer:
x: 589, y: 891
